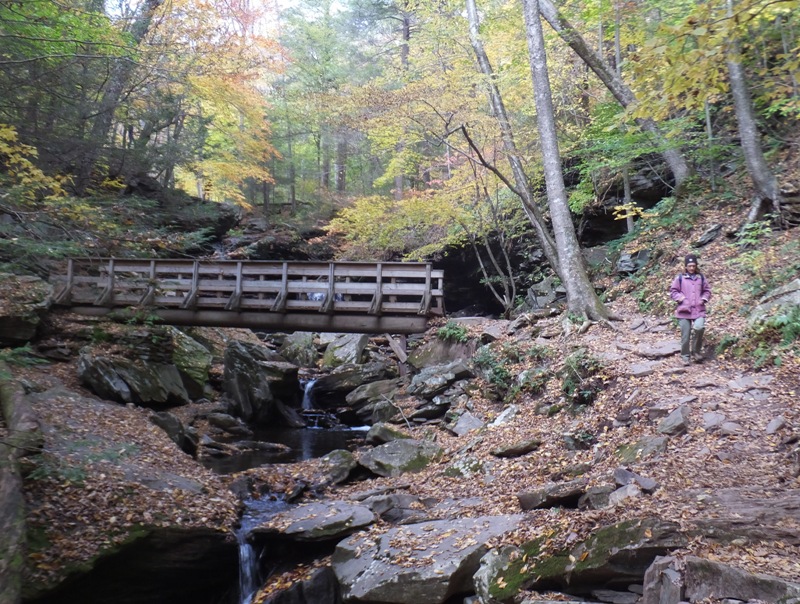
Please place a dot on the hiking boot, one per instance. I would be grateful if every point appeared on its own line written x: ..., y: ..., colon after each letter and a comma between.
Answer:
x: 686, y: 361
x: 698, y: 358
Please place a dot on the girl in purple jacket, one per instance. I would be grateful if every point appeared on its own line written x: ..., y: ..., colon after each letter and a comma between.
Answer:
x: 692, y: 292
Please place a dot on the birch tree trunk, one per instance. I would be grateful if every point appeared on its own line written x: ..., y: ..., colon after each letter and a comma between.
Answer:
x: 581, y: 297
x: 522, y: 188
x: 674, y: 159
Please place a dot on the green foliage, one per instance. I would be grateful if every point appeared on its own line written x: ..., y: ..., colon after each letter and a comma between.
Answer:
x: 493, y: 367
x: 754, y: 233
x: 453, y: 332
x: 767, y: 342
x: 24, y: 356
x: 580, y: 377
x: 538, y: 353
x: 530, y: 382
x: 787, y: 323
x: 767, y: 267
x: 671, y: 215
x: 609, y: 144
x: 496, y: 361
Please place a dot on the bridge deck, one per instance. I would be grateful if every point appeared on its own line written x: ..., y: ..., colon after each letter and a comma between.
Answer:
x: 394, y: 297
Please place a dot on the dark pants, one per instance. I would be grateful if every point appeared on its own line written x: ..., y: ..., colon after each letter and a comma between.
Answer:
x: 688, y: 347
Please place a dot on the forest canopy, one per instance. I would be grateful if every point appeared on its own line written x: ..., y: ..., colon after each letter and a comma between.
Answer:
x: 417, y: 125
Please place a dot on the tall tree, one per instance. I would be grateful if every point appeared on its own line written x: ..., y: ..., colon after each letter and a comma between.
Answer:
x: 581, y: 296
x: 118, y: 77
x: 765, y: 184
x: 677, y: 163
x: 522, y: 187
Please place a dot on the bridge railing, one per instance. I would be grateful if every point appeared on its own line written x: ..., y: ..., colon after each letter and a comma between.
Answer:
x: 383, y: 288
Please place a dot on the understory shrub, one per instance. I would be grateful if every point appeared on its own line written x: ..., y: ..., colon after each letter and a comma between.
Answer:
x: 580, y: 377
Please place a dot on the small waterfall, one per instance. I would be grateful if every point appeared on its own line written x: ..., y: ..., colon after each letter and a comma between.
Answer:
x: 248, y: 568
x: 308, y: 404
x: 257, y: 511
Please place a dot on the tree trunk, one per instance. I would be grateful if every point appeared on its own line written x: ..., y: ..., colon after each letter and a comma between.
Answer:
x: 710, y: 142
x: 405, y: 32
x: 624, y: 95
x: 118, y: 78
x: 341, y: 163
x: 169, y: 167
x: 581, y: 297
x: 522, y: 188
x: 324, y: 160
x: 292, y: 181
x: 266, y: 199
x: 764, y: 181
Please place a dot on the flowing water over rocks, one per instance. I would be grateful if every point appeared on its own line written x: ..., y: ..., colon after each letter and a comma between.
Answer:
x: 256, y: 512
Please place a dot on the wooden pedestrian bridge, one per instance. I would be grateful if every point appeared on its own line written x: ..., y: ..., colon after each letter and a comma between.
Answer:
x: 355, y: 297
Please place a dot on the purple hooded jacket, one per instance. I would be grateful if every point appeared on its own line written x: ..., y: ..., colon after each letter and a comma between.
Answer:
x: 691, y: 292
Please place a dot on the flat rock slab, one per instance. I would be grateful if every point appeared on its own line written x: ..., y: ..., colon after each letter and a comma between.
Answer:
x: 659, y: 350
x: 642, y: 369
x: 426, y: 562
x: 319, y: 521
x: 747, y: 382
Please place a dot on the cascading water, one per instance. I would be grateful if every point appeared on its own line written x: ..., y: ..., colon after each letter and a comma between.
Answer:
x: 308, y: 403
x: 257, y: 511
x: 248, y: 569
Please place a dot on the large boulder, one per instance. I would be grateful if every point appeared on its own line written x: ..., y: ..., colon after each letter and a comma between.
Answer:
x: 159, y: 522
x: 693, y: 579
x: 614, y: 556
x: 155, y: 566
x: 23, y: 302
x: 331, y: 390
x: 400, y: 456
x: 24, y: 438
x: 437, y: 352
x: 373, y: 392
x: 426, y: 562
x: 139, y: 382
x: 262, y: 386
x: 438, y: 378
x: 347, y: 348
x: 787, y: 296
x: 186, y: 438
x: 193, y: 361
x: 299, y: 348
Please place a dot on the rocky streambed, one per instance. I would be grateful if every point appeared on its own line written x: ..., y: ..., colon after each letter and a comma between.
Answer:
x: 489, y: 472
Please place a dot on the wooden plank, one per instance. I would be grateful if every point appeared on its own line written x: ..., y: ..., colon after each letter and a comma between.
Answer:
x: 376, y: 306
x: 340, y: 323
x: 283, y: 295
x: 64, y: 295
x: 107, y: 295
x: 425, y: 305
x: 236, y: 297
x: 397, y: 348
x: 190, y: 300
x: 330, y: 295
x: 150, y: 294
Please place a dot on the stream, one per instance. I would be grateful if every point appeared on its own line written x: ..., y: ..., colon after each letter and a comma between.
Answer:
x: 316, y: 440
x: 256, y: 512
x: 322, y: 435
